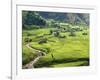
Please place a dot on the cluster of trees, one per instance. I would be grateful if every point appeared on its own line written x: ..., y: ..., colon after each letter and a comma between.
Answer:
x: 32, y: 18
x: 72, y: 31
x: 43, y: 40
x: 56, y: 33
x: 42, y: 19
x: 28, y: 40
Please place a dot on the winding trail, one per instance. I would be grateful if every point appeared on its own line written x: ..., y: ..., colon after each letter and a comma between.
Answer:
x: 39, y: 55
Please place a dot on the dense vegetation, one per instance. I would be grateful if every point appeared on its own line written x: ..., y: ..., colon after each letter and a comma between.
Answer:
x: 63, y: 37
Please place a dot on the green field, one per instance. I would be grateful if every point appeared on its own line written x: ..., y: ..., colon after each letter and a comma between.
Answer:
x: 54, y: 39
x: 68, y: 51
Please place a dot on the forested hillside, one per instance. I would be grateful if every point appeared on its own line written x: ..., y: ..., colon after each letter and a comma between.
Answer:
x: 74, y: 18
x: 42, y: 18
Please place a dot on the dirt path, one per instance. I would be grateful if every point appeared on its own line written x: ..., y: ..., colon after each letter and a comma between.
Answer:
x: 39, y: 53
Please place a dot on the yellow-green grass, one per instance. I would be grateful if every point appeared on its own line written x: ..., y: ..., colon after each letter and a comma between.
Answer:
x: 71, y: 64
x: 68, y: 51
x: 27, y: 55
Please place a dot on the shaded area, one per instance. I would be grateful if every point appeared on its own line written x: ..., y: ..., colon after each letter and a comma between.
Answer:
x: 68, y: 60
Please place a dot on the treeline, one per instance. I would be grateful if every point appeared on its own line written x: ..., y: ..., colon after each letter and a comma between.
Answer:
x: 72, y: 18
x: 34, y: 19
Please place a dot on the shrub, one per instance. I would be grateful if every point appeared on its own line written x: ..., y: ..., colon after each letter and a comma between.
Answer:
x: 51, y: 32
x: 28, y: 40
x: 46, y: 50
x: 56, y: 33
x: 67, y: 30
x: 76, y: 29
x: 84, y: 33
x: 81, y: 29
x: 62, y: 36
x: 39, y: 36
x: 56, y: 25
x: 28, y: 34
x: 72, y: 33
x: 44, y: 40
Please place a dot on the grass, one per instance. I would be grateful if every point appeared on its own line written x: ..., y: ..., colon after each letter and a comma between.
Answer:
x: 27, y: 55
x: 63, y: 52
x: 71, y: 64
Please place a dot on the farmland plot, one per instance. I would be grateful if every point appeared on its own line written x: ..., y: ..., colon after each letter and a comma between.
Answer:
x: 49, y: 43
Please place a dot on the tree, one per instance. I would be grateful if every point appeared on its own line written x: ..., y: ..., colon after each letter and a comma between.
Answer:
x: 44, y: 40
x: 56, y: 33
x: 32, y: 18
x: 84, y: 33
x: 72, y: 33
x: 51, y: 32
x: 52, y: 56
x: 28, y: 40
x: 24, y: 17
x: 71, y: 18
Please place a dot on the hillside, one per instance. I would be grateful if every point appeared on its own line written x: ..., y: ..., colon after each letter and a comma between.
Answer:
x: 75, y: 18
x: 52, y: 40
x: 40, y: 18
